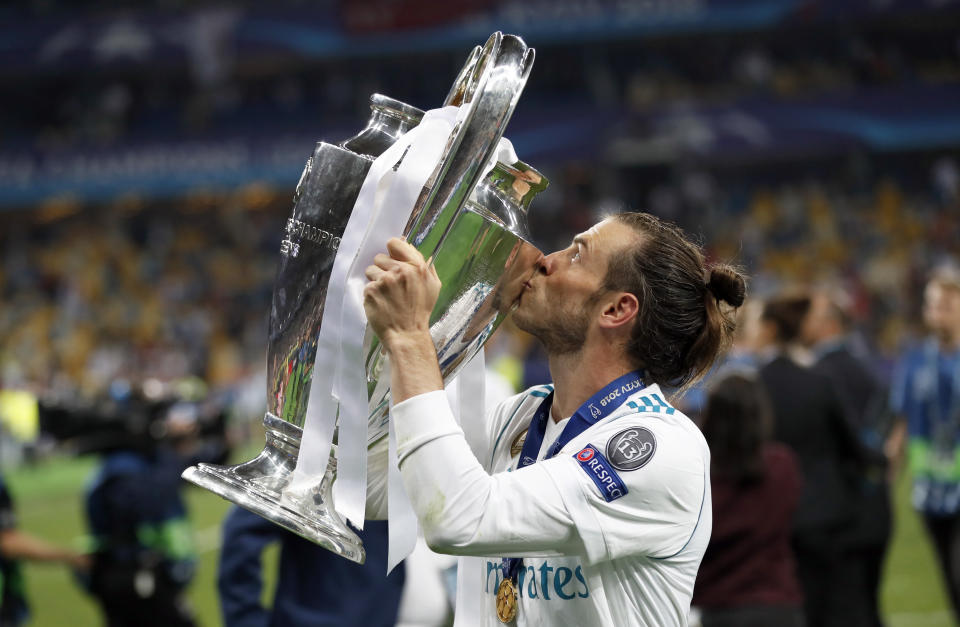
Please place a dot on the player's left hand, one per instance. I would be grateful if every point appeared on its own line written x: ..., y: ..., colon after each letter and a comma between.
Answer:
x: 401, y: 294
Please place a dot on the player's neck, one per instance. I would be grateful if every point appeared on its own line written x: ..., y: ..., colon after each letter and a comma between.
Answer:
x: 578, y: 376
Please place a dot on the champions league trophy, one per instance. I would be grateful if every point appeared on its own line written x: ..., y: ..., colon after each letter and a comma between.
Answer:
x: 473, y: 230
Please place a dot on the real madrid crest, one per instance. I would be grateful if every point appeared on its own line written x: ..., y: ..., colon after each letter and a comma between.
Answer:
x: 517, y: 445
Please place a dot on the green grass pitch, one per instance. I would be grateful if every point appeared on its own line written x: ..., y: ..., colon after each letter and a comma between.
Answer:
x: 49, y: 503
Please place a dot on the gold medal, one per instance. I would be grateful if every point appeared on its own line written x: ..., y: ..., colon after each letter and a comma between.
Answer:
x: 506, y: 601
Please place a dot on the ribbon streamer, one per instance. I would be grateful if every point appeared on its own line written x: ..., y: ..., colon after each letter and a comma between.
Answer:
x: 339, y: 387
x: 391, y: 213
x: 321, y: 415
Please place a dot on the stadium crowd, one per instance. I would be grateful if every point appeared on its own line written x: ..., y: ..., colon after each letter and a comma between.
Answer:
x: 178, y: 289
x: 166, y: 293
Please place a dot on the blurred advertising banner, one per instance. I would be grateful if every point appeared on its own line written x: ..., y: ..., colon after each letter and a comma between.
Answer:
x: 877, y: 119
x: 154, y: 169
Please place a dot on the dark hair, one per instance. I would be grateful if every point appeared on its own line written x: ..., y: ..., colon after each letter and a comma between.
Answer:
x: 686, y: 311
x: 787, y: 313
x: 736, y: 422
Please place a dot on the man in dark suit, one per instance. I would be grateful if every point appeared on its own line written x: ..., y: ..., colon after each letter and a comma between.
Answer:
x: 826, y: 330
x: 809, y: 417
x: 315, y: 587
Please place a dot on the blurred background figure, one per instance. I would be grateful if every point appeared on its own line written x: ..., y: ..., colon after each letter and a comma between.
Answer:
x: 748, y: 574
x: 144, y: 552
x: 926, y: 394
x: 828, y: 332
x: 810, y: 419
x: 740, y: 358
x: 314, y: 587
x: 17, y: 545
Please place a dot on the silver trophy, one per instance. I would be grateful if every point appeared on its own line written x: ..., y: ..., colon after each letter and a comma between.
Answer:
x: 476, y: 233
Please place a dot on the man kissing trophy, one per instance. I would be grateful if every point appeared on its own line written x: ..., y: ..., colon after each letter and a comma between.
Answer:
x: 448, y: 180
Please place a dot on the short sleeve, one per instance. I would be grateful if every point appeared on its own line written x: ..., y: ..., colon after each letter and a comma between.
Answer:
x: 663, y: 501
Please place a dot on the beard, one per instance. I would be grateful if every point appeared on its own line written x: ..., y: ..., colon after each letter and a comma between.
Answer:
x: 561, y: 333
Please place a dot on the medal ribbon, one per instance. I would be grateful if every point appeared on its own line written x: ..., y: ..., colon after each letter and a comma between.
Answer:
x: 599, y: 406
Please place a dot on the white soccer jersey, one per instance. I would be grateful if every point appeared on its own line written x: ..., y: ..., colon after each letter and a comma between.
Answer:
x: 611, y: 529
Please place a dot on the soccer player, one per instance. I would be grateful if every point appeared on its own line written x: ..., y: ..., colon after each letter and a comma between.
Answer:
x: 589, y: 500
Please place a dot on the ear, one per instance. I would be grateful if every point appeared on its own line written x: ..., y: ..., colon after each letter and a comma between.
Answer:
x: 618, y: 309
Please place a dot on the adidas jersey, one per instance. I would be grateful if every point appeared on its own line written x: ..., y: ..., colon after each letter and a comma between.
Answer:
x: 611, y: 529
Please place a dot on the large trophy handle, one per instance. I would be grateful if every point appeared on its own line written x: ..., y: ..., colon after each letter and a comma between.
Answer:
x: 501, y: 82
x: 465, y: 83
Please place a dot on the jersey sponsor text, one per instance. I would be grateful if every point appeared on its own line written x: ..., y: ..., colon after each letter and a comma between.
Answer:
x: 541, y: 580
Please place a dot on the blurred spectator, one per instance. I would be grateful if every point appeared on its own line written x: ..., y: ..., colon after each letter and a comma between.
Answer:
x: 926, y: 394
x: 144, y: 555
x: 827, y: 330
x: 810, y: 419
x: 741, y: 358
x: 17, y: 545
x: 315, y: 587
x: 748, y: 574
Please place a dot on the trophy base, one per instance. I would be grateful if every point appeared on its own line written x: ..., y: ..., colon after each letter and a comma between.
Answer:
x: 259, y: 486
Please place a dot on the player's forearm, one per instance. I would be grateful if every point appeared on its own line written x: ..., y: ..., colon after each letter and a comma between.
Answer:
x: 414, y: 369
x: 446, y: 485
x: 462, y: 509
x: 16, y: 544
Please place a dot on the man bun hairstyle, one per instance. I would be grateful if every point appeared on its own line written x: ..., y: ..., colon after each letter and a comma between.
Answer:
x: 686, y: 317
x: 727, y: 285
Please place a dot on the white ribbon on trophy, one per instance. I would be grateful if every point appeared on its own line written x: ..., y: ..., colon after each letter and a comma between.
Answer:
x: 339, y: 379
x: 367, y: 215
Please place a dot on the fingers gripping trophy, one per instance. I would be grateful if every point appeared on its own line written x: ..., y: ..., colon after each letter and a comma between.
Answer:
x: 469, y: 220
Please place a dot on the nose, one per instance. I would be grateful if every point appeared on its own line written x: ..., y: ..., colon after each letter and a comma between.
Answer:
x: 547, y: 263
